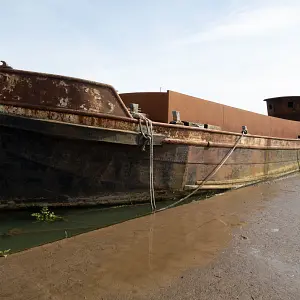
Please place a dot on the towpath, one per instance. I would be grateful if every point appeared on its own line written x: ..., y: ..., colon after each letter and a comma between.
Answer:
x: 244, y: 244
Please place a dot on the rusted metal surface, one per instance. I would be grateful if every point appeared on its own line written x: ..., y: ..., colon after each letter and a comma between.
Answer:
x: 284, y: 107
x: 66, y: 152
x: 40, y: 90
x: 78, y: 132
x: 207, y: 138
x: 227, y: 145
x: 174, y: 134
x: 55, y: 169
x: 244, y: 166
x: 51, y: 169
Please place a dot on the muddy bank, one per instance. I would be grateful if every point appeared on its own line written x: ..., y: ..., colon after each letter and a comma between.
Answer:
x: 139, y: 258
x: 261, y: 262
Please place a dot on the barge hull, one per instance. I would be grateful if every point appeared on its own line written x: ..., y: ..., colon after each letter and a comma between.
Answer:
x: 40, y: 167
x: 67, y: 141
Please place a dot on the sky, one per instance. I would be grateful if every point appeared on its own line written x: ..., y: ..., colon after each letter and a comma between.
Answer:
x: 234, y: 52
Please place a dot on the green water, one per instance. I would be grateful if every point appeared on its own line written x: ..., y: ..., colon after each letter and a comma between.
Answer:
x: 20, y: 231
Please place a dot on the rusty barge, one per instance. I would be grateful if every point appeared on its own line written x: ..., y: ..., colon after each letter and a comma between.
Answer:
x: 67, y: 141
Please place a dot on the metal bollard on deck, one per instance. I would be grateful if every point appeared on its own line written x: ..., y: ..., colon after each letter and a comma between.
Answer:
x: 244, y: 129
x: 176, y: 118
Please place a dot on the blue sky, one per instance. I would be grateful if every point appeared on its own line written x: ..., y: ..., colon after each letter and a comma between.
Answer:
x: 235, y: 52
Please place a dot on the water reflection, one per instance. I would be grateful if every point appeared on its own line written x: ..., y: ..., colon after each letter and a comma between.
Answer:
x: 137, y: 255
x: 19, y: 230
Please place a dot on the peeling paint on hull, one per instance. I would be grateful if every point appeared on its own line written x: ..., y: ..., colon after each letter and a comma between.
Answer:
x: 65, y: 141
x: 45, y: 168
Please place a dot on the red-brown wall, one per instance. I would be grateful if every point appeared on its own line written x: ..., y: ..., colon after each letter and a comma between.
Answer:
x: 195, y: 109
x: 159, y: 107
x: 155, y: 105
x: 229, y: 118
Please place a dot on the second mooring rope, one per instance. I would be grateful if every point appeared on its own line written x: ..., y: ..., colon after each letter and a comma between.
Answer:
x: 207, y: 177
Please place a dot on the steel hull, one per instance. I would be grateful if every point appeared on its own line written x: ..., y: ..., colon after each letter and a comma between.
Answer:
x: 47, y: 165
x: 68, y: 141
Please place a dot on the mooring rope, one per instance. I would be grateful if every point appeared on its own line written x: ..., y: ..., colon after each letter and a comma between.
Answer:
x: 148, y: 136
x: 207, y: 177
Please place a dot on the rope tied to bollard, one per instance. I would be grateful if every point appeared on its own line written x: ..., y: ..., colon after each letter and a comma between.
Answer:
x: 148, y: 139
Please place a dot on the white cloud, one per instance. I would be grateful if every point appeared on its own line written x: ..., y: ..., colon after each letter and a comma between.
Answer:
x: 247, y: 23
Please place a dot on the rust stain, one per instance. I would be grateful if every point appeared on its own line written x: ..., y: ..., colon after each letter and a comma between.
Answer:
x: 174, y: 134
x: 49, y: 91
x: 287, y: 107
x: 185, y: 157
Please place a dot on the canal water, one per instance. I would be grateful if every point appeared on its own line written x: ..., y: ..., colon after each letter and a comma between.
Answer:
x: 19, y: 230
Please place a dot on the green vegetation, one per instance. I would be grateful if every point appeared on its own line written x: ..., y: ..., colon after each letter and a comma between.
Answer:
x: 46, y: 215
x: 4, y: 253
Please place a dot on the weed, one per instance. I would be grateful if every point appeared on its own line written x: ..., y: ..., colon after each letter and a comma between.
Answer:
x: 46, y: 215
x: 4, y: 253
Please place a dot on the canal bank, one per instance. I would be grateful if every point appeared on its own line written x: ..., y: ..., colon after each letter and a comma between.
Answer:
x: 240, y: 244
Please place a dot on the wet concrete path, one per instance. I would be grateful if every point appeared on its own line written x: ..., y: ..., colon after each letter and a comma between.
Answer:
x: 244, y: 244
